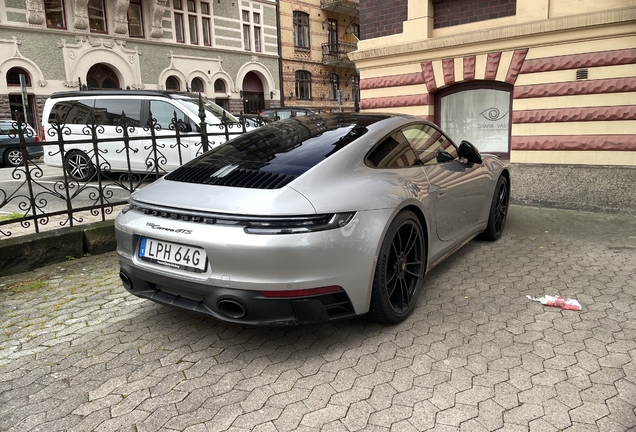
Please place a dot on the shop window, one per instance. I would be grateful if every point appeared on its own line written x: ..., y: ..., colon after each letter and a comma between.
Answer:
x: 479, y: 113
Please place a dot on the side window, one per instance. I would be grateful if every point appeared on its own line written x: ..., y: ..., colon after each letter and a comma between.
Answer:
x: 72, y: 112
x: 428, y: 142
x: 163, y: 112
x: 108, y: 111
x: 393, y: 152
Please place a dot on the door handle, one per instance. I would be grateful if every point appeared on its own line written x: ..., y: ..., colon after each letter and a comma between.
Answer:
x: 435, y: 189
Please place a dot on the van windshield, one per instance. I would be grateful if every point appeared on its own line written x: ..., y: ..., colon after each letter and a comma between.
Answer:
x: 213, y: 112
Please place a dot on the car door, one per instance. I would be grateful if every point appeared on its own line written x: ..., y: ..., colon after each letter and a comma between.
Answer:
x: 170, y: 155
x: 458, y: 188
x: 108, y: 113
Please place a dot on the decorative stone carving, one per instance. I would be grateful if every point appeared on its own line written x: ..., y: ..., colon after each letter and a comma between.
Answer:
x: 121, y: 16
x: 156, y: 23
x: 35, y: 12
x: 80, y: 14
x: 87, y: 51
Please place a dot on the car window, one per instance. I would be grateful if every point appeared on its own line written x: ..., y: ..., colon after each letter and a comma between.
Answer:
x: 393, y: 152
x: 428, y: 142
x: 288, y: 147
x: 72, y: 112
x: 108, y: 112
x: 300, y: 113
x: 163, y: 112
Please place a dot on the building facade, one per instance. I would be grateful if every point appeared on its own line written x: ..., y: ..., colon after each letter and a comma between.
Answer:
x: 316, y: 37
x: 227, y: 50
x: 548, y: 84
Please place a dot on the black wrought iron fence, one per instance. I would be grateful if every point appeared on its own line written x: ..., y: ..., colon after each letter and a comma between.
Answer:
x: 92, y: 170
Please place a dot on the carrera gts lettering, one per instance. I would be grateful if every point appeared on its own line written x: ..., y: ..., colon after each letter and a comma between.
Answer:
x: 161, y: 228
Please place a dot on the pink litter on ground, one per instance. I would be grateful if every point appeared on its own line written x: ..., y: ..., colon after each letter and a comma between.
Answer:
x: 560, y: 302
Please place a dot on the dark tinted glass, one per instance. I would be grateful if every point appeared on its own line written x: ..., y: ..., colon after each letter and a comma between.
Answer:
x: 289, y: 146
x: 108, y: 112
x: 392, y: 152
x: 72, y: 112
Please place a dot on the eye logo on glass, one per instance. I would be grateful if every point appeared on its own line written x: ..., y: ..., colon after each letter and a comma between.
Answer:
x: 493, y: 114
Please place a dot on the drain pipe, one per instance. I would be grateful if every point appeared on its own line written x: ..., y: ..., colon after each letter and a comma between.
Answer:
x: 280, y: 58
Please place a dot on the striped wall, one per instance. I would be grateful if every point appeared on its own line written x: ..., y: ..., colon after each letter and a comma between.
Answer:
x: 556, y: 117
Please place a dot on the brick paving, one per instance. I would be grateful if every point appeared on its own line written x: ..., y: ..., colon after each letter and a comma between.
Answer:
x: 78, y: 353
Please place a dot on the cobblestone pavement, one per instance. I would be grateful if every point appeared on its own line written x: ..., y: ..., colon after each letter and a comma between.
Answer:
x: 78, y: 353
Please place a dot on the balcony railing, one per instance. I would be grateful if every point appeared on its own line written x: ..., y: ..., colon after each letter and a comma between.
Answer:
x: 343, y: 7
x: 336, y: 52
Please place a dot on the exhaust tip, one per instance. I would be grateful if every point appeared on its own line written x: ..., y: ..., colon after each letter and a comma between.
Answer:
x: 125, y: 280
x: 232, y: 308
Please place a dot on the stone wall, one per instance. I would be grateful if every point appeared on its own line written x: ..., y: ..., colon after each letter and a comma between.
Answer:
x: 580, y: 187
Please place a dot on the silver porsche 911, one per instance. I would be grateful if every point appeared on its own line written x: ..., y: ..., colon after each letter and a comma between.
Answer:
x: 311, y: 219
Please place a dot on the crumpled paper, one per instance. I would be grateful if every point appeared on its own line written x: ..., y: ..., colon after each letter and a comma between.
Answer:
x: 560, y: 302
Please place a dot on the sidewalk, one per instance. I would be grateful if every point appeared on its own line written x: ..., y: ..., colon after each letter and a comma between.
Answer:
x: 78, y: 353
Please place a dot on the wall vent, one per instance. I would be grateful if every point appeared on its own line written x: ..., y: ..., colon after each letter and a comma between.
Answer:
x: 581, y: 74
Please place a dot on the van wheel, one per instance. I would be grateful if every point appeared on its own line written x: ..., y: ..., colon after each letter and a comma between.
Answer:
x: 79, y: 166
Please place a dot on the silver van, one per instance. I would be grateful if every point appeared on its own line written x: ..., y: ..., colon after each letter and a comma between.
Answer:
x: 74, y: 110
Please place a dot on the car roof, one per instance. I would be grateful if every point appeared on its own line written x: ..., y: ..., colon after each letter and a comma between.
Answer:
x: 119, y: 92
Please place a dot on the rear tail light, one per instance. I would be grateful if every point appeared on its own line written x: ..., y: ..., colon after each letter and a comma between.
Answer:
x: 43, y: 135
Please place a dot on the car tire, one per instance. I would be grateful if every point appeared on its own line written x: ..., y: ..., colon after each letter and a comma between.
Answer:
x: 79, y: 166
x: 400, y: 269
x: 13, y: 157
x: 498, y: 211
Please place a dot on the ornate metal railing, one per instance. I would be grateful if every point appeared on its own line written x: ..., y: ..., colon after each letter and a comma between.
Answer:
x: 86, y: 180
x: 336, y: 52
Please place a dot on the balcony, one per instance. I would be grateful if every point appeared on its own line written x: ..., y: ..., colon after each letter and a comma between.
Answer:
x: 336, y: 53
x: 342, y: 7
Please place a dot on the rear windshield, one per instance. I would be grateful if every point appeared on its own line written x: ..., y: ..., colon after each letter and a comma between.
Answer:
x: 288, y: 147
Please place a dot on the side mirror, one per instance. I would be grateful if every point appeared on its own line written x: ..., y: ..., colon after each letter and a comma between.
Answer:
x: 443, y: 156
x: 469, y: 152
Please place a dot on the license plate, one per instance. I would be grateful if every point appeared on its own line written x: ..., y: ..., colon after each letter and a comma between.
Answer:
x: 173, y: 255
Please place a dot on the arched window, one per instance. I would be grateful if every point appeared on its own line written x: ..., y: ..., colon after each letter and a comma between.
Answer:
x: 172, y: 83
x: 197, y: 85
x: 219, y: 86
x: 13, y: 77
x: 303, y: 85
x: 301, y: 30
x: 334, y: 85
x: 100, y: 76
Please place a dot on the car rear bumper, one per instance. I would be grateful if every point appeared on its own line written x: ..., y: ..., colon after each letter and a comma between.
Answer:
x: 241, y: 266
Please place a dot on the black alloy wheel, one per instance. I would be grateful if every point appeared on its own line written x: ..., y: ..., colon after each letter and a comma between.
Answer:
x: 400, y: 270
x: 498, y: 211
x: 13, y: 157
x: 79, y: 166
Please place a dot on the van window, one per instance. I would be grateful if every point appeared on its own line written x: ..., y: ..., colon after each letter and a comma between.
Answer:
x: 72, y: 112
x: 163, y: 112
x: 213, y: 113
x: 108, y: 111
